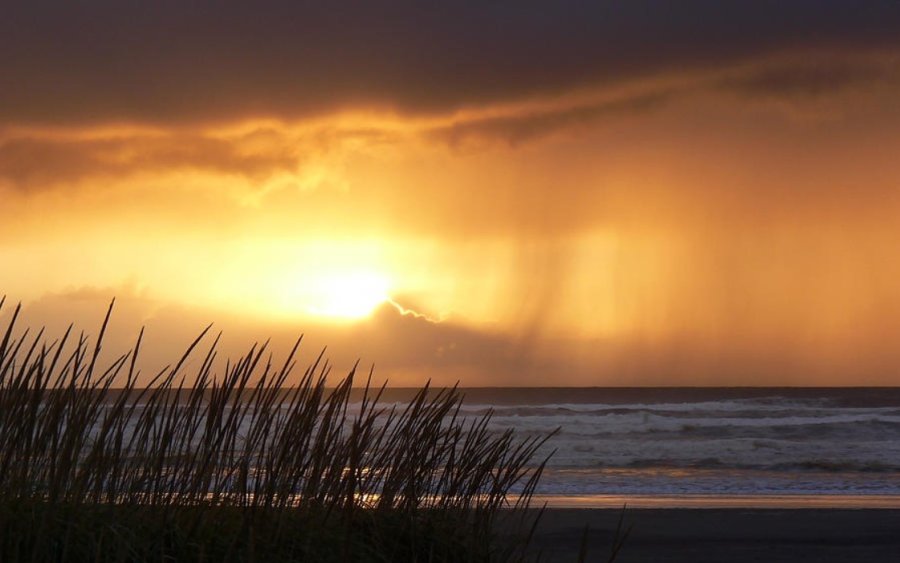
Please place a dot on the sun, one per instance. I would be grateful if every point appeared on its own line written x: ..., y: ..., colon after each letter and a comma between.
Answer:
x: 350, y: 295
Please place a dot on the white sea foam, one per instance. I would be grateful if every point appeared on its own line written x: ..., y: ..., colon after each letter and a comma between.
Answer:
x: 839, y: 443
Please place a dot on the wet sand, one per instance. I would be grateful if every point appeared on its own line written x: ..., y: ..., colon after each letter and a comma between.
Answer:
x: 730, y: 535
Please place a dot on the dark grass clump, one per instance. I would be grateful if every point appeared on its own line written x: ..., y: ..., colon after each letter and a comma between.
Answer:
x: 249, y: 465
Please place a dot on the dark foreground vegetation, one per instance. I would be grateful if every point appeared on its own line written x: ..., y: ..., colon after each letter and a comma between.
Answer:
x: 251, y: 464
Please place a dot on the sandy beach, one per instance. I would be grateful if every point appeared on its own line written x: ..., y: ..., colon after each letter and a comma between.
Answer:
x: 732, y: 535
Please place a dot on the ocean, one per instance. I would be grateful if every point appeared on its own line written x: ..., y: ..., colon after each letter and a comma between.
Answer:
x: 700, y: 447
x: 751, y: 445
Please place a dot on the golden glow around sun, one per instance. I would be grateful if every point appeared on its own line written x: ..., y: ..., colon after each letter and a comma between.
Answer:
x: 347, y: 295
x: 335, y: 281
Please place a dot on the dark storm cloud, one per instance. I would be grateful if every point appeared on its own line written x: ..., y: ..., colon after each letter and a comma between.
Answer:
x: 35, y: 163
x: 808, y: 79
x: 179, y: 61
x: 520, y: 128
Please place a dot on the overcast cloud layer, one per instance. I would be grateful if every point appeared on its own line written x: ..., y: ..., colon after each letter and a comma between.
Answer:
x: 177, y: 62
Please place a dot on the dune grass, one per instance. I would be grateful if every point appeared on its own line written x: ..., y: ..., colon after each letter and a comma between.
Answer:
x: 253, y: 464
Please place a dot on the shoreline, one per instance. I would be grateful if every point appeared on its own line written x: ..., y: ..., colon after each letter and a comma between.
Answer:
x: 717, y: 501
x: 717, y: 535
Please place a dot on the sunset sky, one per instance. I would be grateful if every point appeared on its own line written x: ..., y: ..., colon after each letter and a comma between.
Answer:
x: 500, y: 193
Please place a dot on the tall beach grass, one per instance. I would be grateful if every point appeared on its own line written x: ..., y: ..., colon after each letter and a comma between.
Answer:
x: 258, y: 462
